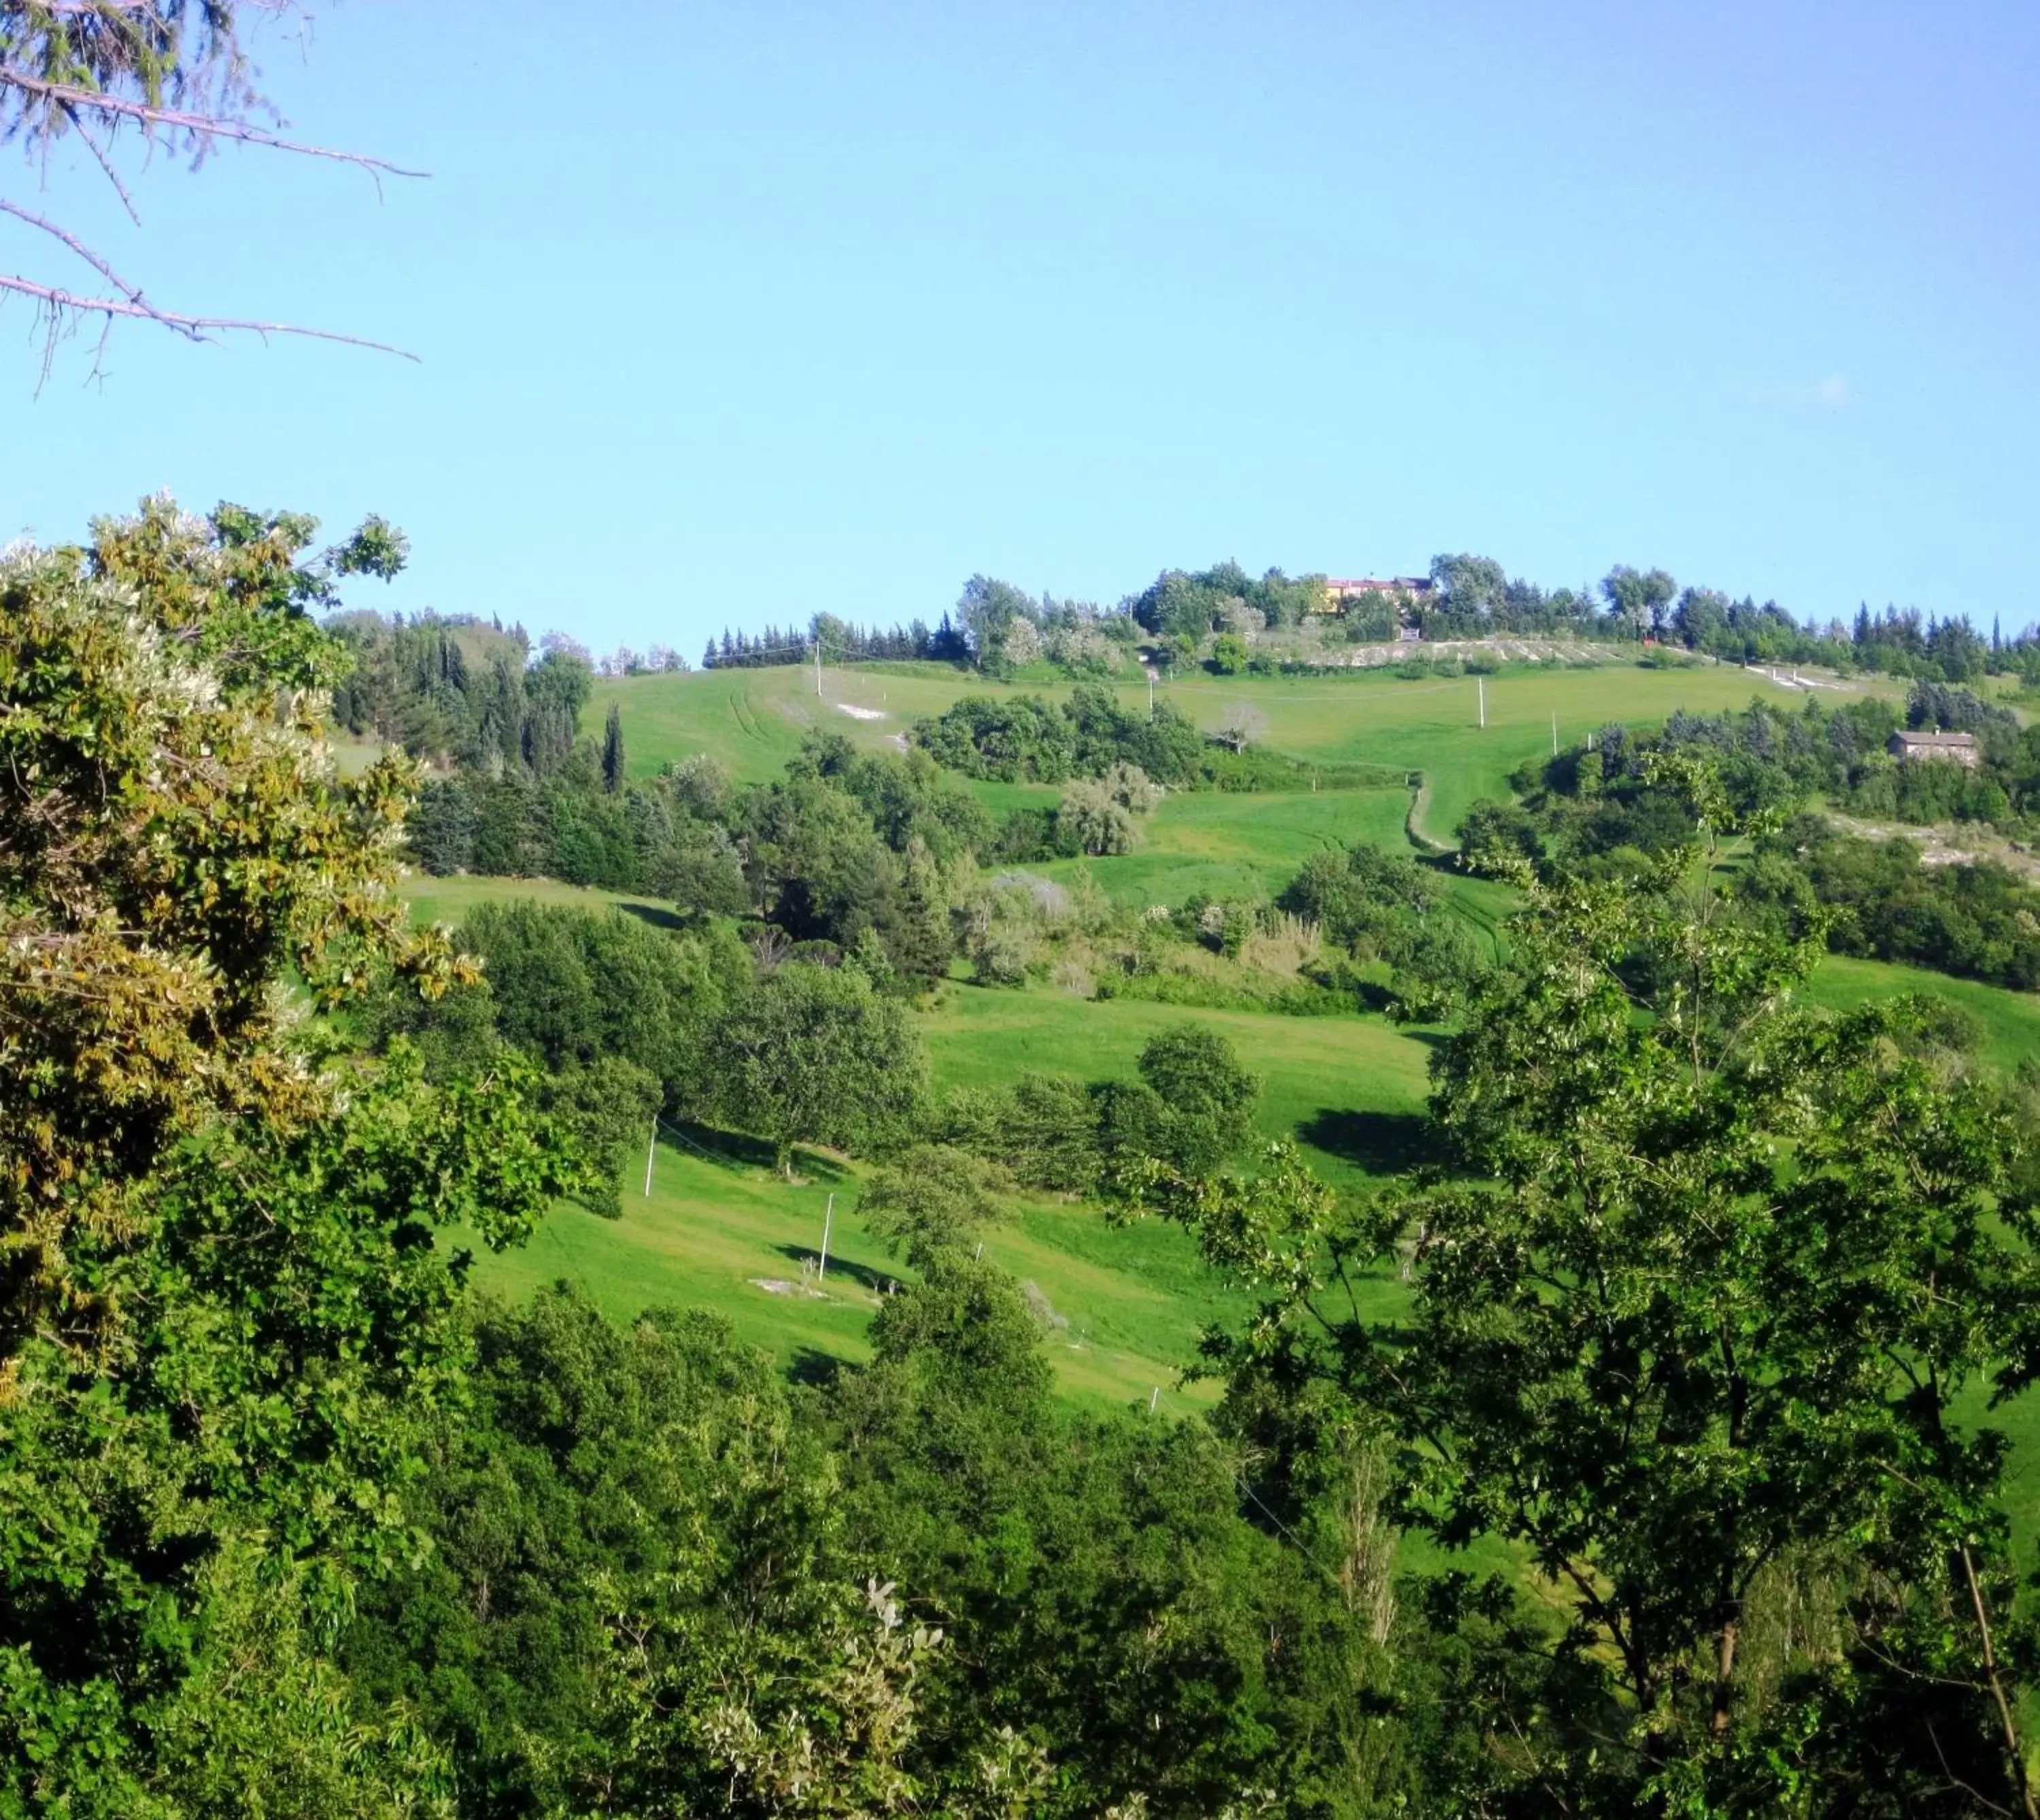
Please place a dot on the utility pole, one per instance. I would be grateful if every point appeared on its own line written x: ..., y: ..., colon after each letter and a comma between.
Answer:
x: 1150, y: 691
x: 1153, y: 1400
x: 828, y: 1215
x: 651, y: 1151
x: 818, y: 667
x: 1555, y: 732
x: 1480, y: 688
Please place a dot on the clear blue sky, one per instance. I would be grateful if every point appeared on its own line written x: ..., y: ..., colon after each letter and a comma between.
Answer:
x: 729, y: 313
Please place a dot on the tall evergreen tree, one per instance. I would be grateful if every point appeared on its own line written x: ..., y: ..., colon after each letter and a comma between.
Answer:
x: 612, y: 750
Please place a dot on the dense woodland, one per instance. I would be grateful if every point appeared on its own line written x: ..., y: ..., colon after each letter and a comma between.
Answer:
x: 1644, y: 1477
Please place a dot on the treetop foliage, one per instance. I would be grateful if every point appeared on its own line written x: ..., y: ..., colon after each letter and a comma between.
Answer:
x: 1698, y: 1286
x: 158, y: 74
x: 175, y: 841
x: 222, y: 1286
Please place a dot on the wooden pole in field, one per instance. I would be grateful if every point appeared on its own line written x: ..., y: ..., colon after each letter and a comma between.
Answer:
x: 1480, y: 688
x: 651, y: 1151
x: 1555, y: 732
x: 829, y: 1215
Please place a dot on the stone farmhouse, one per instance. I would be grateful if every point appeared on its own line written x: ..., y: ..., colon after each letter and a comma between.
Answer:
x: 1915, y: 748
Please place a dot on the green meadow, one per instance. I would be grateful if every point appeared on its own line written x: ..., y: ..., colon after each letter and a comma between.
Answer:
x: 1237, y: 845
x: 1123, y: 1304
x: 2009, y: 1022
x: 448, y: 899
x: 753, y: 720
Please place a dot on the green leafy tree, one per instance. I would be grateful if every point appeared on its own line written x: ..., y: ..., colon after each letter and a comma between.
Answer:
x: 1701, y: 616
x: 920, y: 941
x: 1208, y: 1099
x: 1093, y: 820
x: 986, y: 609
x: 1104, y: 1597
x: 556, y: 688
x: 1499, y: 840
x: 814, y: 1054
x: 654, y: 1469
x: 571, y: 988
x: 1047, y: 1133
x: 1638, y: 599
x: 1473, y: 586
x: 222, y: 1285
x: 816, y: 864
x: 934, y: 1200
x: 1229, y: 654
x: 1694, y: 1307
x: 442, y: 828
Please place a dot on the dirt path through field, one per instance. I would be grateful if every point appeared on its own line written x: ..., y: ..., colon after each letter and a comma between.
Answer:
x: 1412, y: 823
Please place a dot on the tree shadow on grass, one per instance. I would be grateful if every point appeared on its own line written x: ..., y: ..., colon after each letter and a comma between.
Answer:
x: 657, y: 915
x: 1381, y: 1142
x: 861, y: 1274
x: 739, y: 1150
x: 811, y: 1366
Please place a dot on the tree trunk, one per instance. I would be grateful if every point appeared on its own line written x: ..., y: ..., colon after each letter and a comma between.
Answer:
x: 1725, y: 1675
x: 2011, y: 1746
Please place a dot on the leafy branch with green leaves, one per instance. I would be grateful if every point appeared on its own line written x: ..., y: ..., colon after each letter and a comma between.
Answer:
x: 1702, y: 1293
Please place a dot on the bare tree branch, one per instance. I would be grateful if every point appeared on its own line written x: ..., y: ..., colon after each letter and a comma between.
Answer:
x: 177, y: 73
x: 200, y: 127
x: 105, y: 164
x: 132, y: 292
x: 198, y: 327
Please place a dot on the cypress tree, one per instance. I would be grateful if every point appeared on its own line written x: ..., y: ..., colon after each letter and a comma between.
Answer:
x: 612, y: 750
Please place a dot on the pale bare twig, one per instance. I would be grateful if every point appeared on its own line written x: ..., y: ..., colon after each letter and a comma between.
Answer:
x: 131, y: 292
x: 200, y: 127
x: 199, y: 327
x: 105, y: 165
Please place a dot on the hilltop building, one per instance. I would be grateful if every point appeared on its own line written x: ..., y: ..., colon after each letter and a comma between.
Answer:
x: 1913, y: 748
x: 1409, y: 593
x: 1340, y: 590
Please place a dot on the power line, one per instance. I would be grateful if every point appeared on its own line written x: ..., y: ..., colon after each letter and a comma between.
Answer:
x: 670, y: 1131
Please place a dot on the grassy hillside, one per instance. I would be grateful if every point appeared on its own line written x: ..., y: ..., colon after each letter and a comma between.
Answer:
x: 1124, y: 1304
x: 1239, y: 845
x: 716, y: 1227
x: 720, y: 1229
x: 1350, y: 1088
x: 2010, y: 1021
x: 448, y: 899
x: 752, y: 720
